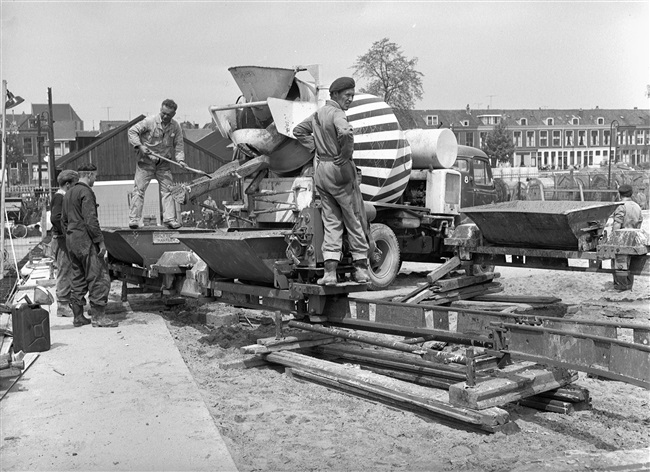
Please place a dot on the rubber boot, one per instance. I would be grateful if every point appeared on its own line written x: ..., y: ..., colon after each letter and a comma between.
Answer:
x: 63, y: 310
x: 79, y: 318
x: 361, y: 271
x: 99, y: 318
x: 330, y: 273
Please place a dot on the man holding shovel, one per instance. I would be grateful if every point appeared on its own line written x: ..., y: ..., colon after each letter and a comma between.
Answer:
x: 154, y: 137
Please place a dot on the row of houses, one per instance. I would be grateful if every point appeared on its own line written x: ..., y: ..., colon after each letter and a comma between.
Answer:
x: 543, y: 138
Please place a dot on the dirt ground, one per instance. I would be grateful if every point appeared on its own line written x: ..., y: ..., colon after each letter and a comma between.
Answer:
x: 273, y: 423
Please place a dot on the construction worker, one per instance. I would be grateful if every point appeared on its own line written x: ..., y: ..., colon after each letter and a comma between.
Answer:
x: 66, y: 180
x: 208, y: 215
x: 627, y: 215
x: 328, y: 133
x: 87, y: 251
x: 157, y: 134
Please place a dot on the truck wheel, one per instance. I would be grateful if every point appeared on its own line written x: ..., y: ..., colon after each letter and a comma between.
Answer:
x: 19, y: 231
x: 384, y: 268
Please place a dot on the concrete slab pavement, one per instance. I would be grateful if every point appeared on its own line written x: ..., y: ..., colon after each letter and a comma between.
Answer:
x: 110, y: 399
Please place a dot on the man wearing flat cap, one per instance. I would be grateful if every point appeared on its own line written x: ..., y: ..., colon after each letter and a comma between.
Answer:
x: 627, y: 215
x: 328, y: 133
x: 87, y: 251
x: 66, y: 180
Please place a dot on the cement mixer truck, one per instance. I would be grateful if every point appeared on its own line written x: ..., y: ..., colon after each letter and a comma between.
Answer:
x: 411, y: 189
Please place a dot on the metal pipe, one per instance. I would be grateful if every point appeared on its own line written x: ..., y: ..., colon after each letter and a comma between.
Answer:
x: 50, y: 132
x: 239, y: 105
x: 609, y: 166
x: 2, y: 179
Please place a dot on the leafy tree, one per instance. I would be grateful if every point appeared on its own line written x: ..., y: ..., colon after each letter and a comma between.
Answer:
x: 498, y: 144
x: 391, y: 76
x: 14, y: 148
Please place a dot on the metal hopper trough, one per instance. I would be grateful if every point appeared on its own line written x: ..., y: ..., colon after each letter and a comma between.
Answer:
x: 245, y: 255
x: 542, y: 224
x: 145, y: 246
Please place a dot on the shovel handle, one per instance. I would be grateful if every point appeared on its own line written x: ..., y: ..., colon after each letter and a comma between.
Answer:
x: 196, y: 171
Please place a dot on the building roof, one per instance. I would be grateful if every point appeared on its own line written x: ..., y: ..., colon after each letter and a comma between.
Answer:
x: 194, y: 134
x: 539, y: 117
x: 61, y: 111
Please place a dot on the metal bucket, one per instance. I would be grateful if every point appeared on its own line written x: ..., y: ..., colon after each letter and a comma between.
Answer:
x: 144, y: 247
x: 246, y: 255
x: 539, y: 224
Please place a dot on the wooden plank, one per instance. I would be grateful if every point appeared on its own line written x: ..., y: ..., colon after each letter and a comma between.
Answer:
x: 245, y: 363
x: 259, y: 349
x: 499, y: 391
x: 443, y: 270
x: 29, y: 360
x: 454, y: 283
x: 394, y: 389
x: 273, y: 341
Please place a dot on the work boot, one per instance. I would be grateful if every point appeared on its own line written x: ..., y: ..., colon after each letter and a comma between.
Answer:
x: 361, y: 271
x: 134, y: 224
x: 79, y: 318
x: 63, y: 310
x: 173, y: 224
x: 100, y: 319
x: 330, y: 273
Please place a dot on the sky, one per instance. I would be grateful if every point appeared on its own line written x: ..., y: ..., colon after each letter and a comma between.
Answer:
x: 119, y: 59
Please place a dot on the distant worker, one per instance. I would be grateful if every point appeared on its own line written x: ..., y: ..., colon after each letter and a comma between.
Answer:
x: 66, y: 180
x: 328, y: 133
x: 87, y: 251
x: 162, y: 135
x: 627, y: 215
x: 208, y: 215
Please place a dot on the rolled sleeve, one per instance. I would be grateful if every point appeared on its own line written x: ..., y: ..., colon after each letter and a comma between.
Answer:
x: 179, y: 144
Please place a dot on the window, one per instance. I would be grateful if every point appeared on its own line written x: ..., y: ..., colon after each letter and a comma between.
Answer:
x: 461, y: 165
x: 594, y: 137
x: 469, y: 139
x: 575, y: 121
x: 432, y: 120
x: 490, y: 119
x: 543, y: 138
x: 557, y: 138
x: 568, y: 138
x: 600, y: 121
x: 480, y: 173
x: 466, y: 123
x: 516, y: 138
x: 482, y: 137
x: 530, y: 139
x: 28, y: 146
x: 606, y: 139
x: 549, y: 121
x: 582, y: 138
x: 639, y: 137
x: 523, y: 122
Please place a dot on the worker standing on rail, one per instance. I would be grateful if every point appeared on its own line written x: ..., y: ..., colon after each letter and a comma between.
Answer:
x: 331, y: 136
x: 157, y: 134
x: 87, y: 251
x: 66, y: 180
x: 627, y: 215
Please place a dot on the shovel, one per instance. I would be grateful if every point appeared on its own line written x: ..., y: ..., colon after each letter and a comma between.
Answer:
x: 197, y: 171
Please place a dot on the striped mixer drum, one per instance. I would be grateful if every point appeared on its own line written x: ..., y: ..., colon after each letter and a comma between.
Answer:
x: 381, y: 151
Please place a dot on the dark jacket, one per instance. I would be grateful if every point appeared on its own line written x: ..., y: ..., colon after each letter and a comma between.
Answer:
x: 79, y: 218
x: 55, y: 216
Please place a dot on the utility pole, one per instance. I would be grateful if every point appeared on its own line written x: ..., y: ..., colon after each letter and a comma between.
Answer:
x: 490, y: 96
x: 50, y: 131
x: 108, y: 113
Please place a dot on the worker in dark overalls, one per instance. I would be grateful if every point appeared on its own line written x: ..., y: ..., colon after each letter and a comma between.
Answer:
x: 627, y: 215
x: 331, y: 136
x: 66, y: 179
x: 87, y: 251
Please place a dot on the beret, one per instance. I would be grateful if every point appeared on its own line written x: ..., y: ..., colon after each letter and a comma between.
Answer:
x: 625, y: 188
x: 342, y: 83
x: 66, y: 176
x: 87, y: 168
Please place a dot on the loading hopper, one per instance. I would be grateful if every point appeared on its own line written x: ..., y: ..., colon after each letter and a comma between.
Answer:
x: 540, y: 224
x: 143, y: 247
x: 243, y: 255
x: 259, y: 83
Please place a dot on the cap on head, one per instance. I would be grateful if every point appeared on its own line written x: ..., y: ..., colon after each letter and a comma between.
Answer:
x: 87, y: 168
x: 342, y: 83
x: 66, y: 176
x: 625, y: 190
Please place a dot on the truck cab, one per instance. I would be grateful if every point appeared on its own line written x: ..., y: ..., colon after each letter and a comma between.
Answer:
x: 477, y: 185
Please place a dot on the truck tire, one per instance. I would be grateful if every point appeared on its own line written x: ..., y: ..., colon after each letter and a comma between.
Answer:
x: 383, y: 271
